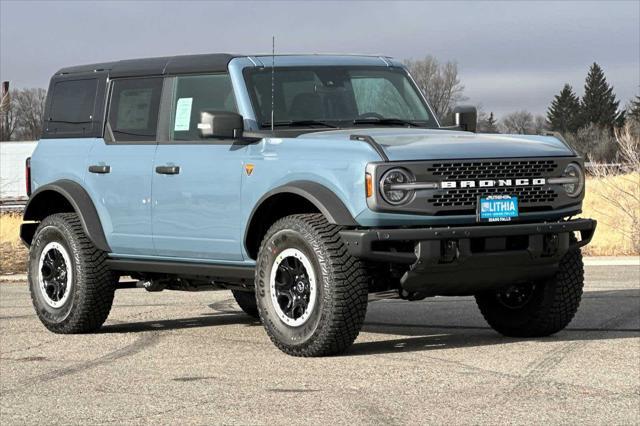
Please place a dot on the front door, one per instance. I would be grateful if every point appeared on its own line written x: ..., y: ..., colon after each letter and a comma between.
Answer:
x: 196, y: 181
x: 120, y: 166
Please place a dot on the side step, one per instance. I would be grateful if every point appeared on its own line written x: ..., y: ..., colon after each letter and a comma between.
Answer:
x: 220, y: 272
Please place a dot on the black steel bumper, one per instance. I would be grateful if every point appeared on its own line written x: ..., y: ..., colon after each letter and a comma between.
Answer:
x: 466, y: 260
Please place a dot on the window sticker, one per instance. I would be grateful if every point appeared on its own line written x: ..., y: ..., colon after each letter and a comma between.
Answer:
x: 183, y: 115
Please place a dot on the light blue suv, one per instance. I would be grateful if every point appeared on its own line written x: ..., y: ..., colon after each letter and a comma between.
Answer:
x: 303, y: 184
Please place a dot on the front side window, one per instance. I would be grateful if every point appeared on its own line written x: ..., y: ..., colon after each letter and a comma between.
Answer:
x: 340, y: 96
x: 133, y: 110
x: 196, y: 94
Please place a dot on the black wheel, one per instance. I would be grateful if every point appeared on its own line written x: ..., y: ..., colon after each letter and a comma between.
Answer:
x: 71, y: 286
x: 537, y: 309
x: 311, y: 294
x: 247, y: 302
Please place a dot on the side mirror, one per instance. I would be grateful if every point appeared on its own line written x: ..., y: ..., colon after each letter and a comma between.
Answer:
x: 220, y: 124
x: 466, y: 117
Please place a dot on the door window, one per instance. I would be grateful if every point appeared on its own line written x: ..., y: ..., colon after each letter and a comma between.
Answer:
x: 133, y: 112
x: 195, y: 94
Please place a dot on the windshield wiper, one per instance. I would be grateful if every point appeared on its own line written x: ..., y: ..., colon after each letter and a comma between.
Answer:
x: 298, y: 123
x: 384, y: 120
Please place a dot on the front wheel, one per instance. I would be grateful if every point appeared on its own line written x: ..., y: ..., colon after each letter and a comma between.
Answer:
x: 537, y: 309
x: 311, y: 294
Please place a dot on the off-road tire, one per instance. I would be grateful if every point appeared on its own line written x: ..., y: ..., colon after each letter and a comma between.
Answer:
x: 93, y: 284
x: 550, y: 309
x: 342, y: 287
x: 247, y: 302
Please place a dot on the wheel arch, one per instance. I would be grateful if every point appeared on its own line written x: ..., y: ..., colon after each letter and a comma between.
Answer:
x: 63, y: 196
x: 292, y: 198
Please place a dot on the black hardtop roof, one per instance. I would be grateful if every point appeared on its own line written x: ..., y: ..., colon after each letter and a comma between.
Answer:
x: 214, y: 62
x: 210, y: 62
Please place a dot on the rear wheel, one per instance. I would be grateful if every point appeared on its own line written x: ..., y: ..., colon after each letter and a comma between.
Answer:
x: 247, y: 302
x: 311, y: 294
x: 537, y: 309
x: 71, y: 286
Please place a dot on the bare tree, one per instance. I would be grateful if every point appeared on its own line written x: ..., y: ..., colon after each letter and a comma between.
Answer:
x: 621, y: 192
x: 487, y: 123
x: 21, y: 114
x: 540, y: 124
x: 519, y: 122
x: 595, y: 143
x: 439, y: 83
x: 30, y: 109
x: 8, y: 117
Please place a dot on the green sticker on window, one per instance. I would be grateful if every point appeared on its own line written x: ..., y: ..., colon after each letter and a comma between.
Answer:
x: 183, y: 115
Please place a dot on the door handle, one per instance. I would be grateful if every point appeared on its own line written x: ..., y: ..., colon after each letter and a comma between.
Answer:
x: 168, y: 170
x: 102, y: 169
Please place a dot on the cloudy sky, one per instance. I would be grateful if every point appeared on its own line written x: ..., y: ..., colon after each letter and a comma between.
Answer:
x: 511, y: 55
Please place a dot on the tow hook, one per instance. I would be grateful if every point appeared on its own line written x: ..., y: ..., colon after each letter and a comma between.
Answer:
x: 449, y: 251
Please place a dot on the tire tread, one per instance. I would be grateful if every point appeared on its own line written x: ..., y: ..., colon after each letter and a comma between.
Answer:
x: 348, y: 302
x: 95, y: 281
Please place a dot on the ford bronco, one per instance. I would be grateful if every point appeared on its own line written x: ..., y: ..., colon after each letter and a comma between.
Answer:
x: 306, y: 185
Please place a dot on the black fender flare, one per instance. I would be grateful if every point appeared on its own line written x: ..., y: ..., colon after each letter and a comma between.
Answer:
x: 319, y: 195
x: 37, y: 209
x: 325, y: 200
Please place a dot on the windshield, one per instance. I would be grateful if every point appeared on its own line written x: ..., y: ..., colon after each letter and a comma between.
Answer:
x: 337, y: 97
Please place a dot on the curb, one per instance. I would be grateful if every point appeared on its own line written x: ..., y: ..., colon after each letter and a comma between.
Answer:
x: 612, y: 261
x: 13, y: 277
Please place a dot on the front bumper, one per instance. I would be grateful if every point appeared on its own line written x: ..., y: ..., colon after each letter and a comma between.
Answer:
x: 469, y: 259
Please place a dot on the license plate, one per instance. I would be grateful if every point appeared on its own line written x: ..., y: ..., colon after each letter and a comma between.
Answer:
x: 497, y: 208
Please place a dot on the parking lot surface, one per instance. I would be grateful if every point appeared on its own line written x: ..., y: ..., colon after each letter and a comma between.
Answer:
x: 176, y: 357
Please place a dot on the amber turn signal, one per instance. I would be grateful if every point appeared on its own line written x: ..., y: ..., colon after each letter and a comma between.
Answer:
x: 369, y: 185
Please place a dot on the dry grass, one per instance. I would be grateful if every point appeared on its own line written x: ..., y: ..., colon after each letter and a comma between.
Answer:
x: 617, y: 233
x: 13, y: 254
x: 614, y: 199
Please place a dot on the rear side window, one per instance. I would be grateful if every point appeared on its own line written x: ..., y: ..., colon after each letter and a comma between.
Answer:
x: 133, y: 110
x: 73, y: 101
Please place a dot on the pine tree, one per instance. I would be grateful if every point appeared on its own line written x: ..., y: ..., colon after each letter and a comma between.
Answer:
x: 491, y: 124
x: 633, y: 111
x: 599, y: 104
x: 564, y: 113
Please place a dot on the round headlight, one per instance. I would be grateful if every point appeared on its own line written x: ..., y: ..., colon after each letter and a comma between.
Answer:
x: 573, y: 171
x: 389, y: 186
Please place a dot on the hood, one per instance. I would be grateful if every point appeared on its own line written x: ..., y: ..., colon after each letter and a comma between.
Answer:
x: 401, y: 144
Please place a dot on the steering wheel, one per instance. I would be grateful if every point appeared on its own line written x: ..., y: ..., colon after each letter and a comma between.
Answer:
x: 370, y: 115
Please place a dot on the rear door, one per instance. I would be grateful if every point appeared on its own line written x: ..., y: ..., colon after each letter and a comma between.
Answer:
x: 121, y: 165
x: 196, y: 181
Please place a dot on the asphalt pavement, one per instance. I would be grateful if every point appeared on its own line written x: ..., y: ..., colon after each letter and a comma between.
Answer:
x: 194, y: 358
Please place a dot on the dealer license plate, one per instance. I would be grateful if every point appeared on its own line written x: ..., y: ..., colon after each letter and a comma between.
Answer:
x: 497, y: 208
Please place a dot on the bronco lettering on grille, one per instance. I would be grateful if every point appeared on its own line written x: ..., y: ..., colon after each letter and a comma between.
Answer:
x: 490, y: 183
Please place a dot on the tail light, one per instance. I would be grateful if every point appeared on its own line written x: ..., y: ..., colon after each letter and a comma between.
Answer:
x: 27, y: 175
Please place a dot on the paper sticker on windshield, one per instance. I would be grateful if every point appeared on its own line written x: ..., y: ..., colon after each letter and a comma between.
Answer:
x: 183, y: 115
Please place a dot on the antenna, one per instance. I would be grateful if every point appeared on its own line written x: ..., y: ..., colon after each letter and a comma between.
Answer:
x: 273, y: 77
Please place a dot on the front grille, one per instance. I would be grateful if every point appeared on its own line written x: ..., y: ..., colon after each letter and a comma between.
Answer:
x: 467, y: 198
x: 493, y: 169
x: 464, y: 200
